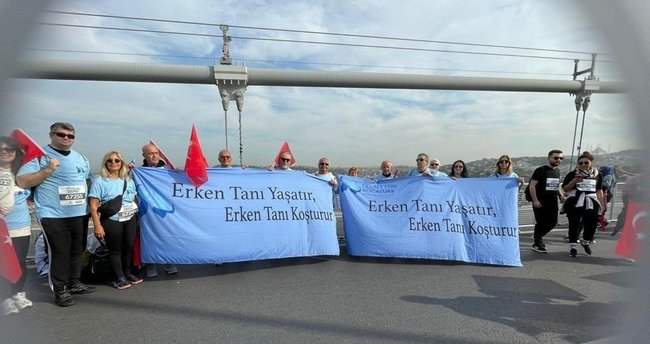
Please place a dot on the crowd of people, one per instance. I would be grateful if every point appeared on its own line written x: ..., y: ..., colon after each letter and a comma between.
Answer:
x: 66, y: 196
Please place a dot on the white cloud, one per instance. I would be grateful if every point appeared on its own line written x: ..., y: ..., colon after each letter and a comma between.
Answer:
x: 350, y: 126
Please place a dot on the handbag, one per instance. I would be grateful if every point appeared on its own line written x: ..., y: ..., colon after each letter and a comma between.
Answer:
x: 111, y: 207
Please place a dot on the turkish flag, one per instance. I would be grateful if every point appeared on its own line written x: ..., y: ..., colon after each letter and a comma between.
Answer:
x: 631, y: 241
x: 284, y: 148
x: 9, y: 265
x: 31, y: 149
x: 163, y: 156
x: 195, y: 163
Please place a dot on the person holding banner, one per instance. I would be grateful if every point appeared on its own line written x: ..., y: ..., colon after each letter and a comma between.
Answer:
x: 422, y: 168
x: 386, y: 173
x: 544, y: 190
x: 504, y: 169
x: 61, y: 183
x: 325, y: 174
x: 225, y: 159
x: 13, y: 205
x: 151, y: 155
x: 118, y: 230
x: 458, y: 170
x: 434, y: 164
x: 585, y: 201
x: 283, y: 162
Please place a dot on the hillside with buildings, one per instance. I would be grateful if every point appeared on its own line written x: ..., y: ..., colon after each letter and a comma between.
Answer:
x: 628, y: 160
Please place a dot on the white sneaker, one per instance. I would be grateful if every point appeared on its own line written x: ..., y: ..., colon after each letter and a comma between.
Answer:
x: 8, y: 306
x: 21, y: 301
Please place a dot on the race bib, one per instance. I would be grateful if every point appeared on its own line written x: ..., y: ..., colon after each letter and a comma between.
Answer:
x: 552, y: 184
x: 127, y: 211
x: 72, y: 195
x: 587, y: 185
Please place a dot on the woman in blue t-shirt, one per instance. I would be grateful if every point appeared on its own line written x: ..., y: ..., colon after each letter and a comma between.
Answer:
x: 16, y: 215
x: 118, y: 230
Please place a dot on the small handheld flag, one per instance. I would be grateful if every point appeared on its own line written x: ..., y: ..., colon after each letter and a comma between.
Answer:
x: 195, y: 164
x: 163, y: 156
x: 31, y: 149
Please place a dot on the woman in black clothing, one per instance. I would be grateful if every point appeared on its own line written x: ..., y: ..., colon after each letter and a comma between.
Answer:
x: 584, y: 202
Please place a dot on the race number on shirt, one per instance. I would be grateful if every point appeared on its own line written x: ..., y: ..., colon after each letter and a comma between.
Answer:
x: 587, y: 185
x: 552, y: 184
x: 72, y: 195
x: 127, y: 211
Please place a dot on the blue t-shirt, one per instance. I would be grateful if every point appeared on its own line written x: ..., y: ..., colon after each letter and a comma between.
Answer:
x: 63, y: 194
x: 499, y: 175
x: 105, y: 189
x: 432, y: 172
x: 19, y: 217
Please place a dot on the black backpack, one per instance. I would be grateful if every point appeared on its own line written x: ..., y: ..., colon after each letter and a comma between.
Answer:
x: 98, y: 269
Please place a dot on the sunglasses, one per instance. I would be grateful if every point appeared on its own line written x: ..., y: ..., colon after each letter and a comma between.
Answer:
x: 323, y: 164
x: 558, y: 158
x: 434, y: 164
x: 225, y: 157
x: 64, y: 135
x: 458, y: 166
x: 583, y: 163
x: 420, y: 159
x: 7, y: 150
x: 113, y: 161
x: 285, y: 159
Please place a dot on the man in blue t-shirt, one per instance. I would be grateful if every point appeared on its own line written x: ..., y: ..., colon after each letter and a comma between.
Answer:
x: 422, y: 168
x: 60, y: 181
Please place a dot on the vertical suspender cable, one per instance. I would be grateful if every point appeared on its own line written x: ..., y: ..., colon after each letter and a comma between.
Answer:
x: 582, y: 128
x: 575, y: 132
x: 225, y: 116
x: 241, y: 145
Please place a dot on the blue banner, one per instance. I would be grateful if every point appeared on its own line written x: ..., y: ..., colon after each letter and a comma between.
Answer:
x: 469, y: 220
x: 238, y: 215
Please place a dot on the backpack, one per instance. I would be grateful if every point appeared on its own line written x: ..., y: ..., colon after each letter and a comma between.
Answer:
x: 98, y: 268
x: 609, y: 181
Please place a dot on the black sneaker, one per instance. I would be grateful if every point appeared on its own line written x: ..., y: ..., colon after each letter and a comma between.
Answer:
x: 77, y: 287
x: 133, y: 279
x: 573, y: 252
x: 63, y: 298
x: 585, y: 245
x: 122, y: 283
x: 539, y: 248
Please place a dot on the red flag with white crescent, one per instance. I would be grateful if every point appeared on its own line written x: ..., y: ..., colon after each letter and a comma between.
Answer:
x: 30, y: 148
x: 9, y: 265
x: 195, y: 164
x: 631, y: 241
x: 163, y: 156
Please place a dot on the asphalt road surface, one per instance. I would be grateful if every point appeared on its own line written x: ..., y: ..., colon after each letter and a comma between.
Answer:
x: 553, y: 298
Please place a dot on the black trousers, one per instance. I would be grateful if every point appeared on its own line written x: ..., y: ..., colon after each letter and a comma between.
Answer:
x: 120, y: 237
x: 545, y: 219
x: 577, y: 216
x: 65, y: 238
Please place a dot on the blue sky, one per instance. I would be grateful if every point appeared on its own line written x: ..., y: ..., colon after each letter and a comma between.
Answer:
x: 349, y: 126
